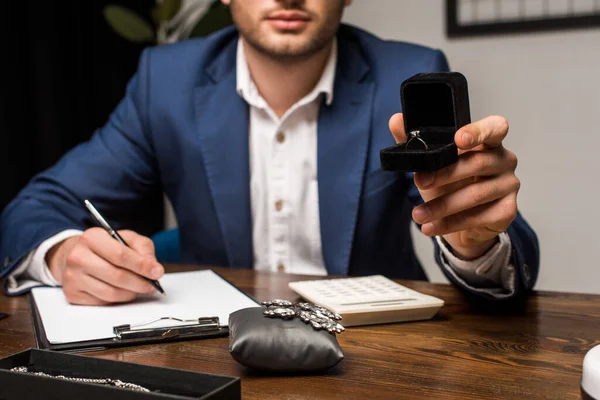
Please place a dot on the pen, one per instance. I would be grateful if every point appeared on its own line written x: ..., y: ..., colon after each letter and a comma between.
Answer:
x: 116, y: 236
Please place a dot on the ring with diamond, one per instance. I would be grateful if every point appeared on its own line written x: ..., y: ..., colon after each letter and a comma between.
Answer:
x: 415, y: 135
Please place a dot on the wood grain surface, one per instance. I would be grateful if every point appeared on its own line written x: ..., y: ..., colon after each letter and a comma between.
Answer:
x: 469, y: 352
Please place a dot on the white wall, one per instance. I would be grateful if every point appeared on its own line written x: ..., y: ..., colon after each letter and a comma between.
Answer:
x: 548, y: 86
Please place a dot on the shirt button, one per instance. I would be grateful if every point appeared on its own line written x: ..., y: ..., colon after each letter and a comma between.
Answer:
x: 7, y: 261
x: 280, y: 137
x: 279, y: 205
x: 280, y: 267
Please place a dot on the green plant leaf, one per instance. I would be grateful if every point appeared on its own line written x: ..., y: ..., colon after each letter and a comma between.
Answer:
x: 166, y: 10
x: 217, y: 17
x: 128, y: 24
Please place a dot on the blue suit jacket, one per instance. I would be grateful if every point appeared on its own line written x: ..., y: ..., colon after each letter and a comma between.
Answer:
x: 182, y: 128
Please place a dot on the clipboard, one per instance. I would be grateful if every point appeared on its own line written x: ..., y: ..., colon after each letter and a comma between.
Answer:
x: 154, y: 335
x: 138, y: 332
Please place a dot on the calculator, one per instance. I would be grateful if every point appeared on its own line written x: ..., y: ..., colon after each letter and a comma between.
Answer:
x: 368, y: 300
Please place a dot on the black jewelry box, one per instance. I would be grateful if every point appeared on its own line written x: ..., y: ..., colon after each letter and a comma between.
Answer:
x: 435, y: 104
x: 164, y: 383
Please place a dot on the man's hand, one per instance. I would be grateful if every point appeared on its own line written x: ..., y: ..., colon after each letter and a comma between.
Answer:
x: 472, y: 201
x: 95, y: 269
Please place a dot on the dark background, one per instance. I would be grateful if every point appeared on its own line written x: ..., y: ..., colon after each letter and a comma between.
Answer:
x: 64, y: 71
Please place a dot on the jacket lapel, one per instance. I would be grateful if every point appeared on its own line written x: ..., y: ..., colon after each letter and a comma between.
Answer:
x: 343, y: 142
x: 222, y: 119
x: 344, y: 131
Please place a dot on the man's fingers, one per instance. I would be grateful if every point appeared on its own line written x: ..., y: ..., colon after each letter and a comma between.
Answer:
x: 436, y: 192
x: 114, y: 276
x: 105, y: 292
x: 396, y: 125
x: 120, y: 255
x: 489, y: 131
x: 481, y: 192
x: 80, y: 288
x: 470, y: 164
x: 142, y: 244
x: 84, y: 299
x: 485, y: 221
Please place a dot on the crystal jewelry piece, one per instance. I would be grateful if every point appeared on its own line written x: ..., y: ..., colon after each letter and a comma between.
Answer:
x: 101, y: 381
x: 317, y: 316
x: 416, y: 135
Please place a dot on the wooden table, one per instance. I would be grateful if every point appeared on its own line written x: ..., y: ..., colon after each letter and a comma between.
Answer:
x: 533, y: 353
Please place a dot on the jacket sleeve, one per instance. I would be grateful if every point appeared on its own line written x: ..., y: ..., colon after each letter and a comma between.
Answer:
x: 116, y: 170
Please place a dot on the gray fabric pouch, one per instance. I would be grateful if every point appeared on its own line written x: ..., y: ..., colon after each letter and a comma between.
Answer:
x: 280, y: 345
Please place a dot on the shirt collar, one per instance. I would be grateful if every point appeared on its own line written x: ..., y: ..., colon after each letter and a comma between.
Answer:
x: 247, y: 89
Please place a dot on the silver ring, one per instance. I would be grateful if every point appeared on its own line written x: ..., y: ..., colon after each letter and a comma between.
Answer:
x: 416, y: 135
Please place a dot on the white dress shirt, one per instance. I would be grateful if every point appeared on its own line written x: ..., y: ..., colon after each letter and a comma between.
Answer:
x: 285, y: 199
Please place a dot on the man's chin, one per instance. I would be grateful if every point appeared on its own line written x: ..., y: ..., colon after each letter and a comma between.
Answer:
x: 286, y: 47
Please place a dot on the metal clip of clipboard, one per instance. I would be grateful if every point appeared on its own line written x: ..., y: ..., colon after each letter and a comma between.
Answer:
x: 201, y: 326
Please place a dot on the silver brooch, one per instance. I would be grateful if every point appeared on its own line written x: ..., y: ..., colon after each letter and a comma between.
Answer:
x: 319, y: 317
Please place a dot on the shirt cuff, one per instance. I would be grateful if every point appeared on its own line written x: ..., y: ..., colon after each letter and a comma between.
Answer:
x: 33, y: 270
x: 491, y: 272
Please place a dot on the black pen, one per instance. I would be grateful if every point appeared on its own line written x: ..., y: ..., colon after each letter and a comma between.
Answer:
x: 116, y: 236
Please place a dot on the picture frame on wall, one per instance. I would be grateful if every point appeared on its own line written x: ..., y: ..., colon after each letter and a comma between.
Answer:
x: 491, y: 17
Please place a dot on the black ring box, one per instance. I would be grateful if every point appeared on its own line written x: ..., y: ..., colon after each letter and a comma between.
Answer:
x: 164, y: 383
x: 437, y: 105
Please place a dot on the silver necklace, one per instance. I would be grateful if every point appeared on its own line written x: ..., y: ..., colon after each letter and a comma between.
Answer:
x: 101, y: 381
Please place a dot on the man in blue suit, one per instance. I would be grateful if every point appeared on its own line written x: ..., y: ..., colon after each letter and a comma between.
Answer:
x: 266, y: 139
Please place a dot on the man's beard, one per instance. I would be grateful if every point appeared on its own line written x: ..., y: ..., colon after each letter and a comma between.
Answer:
x: 289, y: 53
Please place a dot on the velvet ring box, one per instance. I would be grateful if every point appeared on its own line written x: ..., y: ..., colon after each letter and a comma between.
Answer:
x: 436, y: 104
